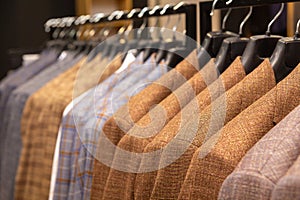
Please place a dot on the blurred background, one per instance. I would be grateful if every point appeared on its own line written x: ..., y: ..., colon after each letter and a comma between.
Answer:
x: 22, y: 30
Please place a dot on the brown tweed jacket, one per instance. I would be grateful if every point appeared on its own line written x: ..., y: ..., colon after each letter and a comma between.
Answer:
x: 288, y: 187
x: 124, y: 119
x: 225, y: 149
x: 40, y: 122
x: 265, y: 163
x: 233, y: 75
x: 204, y: 124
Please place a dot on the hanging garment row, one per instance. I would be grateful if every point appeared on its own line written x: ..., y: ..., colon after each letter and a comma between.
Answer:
x: 86, y: 121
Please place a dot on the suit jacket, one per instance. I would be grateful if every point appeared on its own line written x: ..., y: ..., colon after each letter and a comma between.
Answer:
x: 259, y: 171
x: 75, y: 177
x: 40, y: 124
x: 202, y: 126
x: 12, y: 131
x: 130, y: 143
x: 219, y: 156
x: 116, y: 127
x: 288, y: 186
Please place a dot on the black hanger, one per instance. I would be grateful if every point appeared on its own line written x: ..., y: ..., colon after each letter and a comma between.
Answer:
x: 213, y: 40
x: 137, y: 42
x: 260, y: 47
x: 163, y: 51
x: 178, y: 53
x: 168, y: 44
x: 153, y: 45
x: 232, y: 47
x: 286, y: 55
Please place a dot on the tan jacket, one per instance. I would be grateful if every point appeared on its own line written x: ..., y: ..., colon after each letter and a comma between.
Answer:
x: 125, y: 118
x: 225, y: 149
x: 203, y: 125
x: 113, y: 189
x: 266, y: 162
x: 40, y: 123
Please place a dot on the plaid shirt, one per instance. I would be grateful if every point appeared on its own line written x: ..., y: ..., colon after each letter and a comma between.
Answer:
x: 40, y: 124
x: 11, y: 129
x: 76, y: 162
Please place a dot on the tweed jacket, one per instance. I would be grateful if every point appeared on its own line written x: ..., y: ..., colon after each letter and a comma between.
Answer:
x: 219, y: 156
x: 288, y: 186
x: 133, y: 143
x: 40, y: 123
x: 259, y: 171
x: 200, y: 127
x: 136, y: 108
x: 11, y: 140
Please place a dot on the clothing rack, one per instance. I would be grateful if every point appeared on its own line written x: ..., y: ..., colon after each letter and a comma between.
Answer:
x: 182, y: 8
x: 205, y: 9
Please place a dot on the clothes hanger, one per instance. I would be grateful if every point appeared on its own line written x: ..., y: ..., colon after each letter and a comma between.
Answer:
x: 153, y: 45
x: 56, y: 43
x: 177, y: 54
x: 286, y: 55
x: 110, y: 42
x: 213, y: 40
x: 260, y: 46
x: 133, y: 44
x: 168, y: 43
x: 137, y: 43
x: 120, y: 45
x: 232, y: 47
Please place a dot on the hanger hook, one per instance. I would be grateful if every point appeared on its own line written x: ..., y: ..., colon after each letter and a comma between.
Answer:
x: 132, y: 12
x: 274, y: 19
x: 245, y: 20
x: 162, y: 12
x: 130, y: 27
x: 225, y: 19
x: 213, y: 7
x: 143, y: 11
x: 113, y: 15
x: 165, y: 8
x: 180, y: 4
x: 152, y: 12
x: 143, y: 26
x: 229, y: 2
x: 96, y: 17
x: 120, y: 15
x: 297, y: 32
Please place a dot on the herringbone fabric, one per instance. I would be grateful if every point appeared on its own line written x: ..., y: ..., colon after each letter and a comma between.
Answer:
x: 40, y: 124
x: 131, y: 143
x: 219, y: 156
x: 135, y: 109
x: 259, y: 171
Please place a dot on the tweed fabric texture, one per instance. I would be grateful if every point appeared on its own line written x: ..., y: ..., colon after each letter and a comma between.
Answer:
x: 197, y: 128
x: 24, y: 73
x: 259, y: 171
x: 40, y: 123
x: 69, y: 174
x: 12, y: 131
x: 82, y: 155
x: 136, y: 108
x: 219, y: 156
x: 136, y: 144
x: 288, y: 187
x: 61, y: 169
